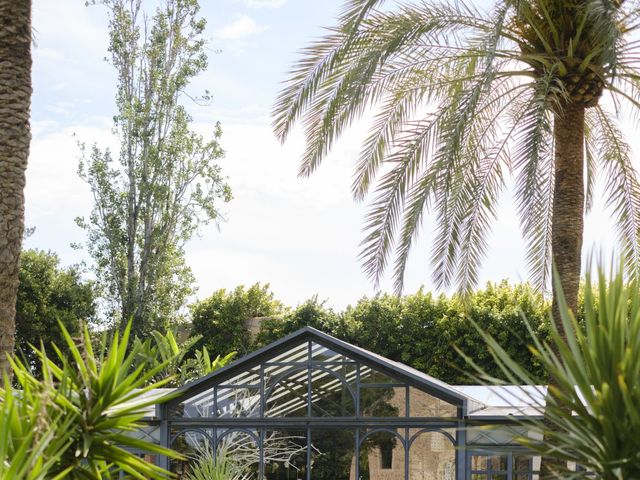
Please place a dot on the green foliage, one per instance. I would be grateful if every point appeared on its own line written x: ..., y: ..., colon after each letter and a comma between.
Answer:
x: 592, y: 413
x: 179, y: 364
x: 163, y: 184
x: 311, y: 313
x: 464, y: 98
x: 49, y: 294
x: 422, y: 330
x: 221, y: 320
x: 78, y: 421
x: 31, y: 436
x: 214, y: 466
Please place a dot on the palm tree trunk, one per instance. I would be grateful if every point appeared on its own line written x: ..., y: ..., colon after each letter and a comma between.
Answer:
x: 567, y: 222
x: 568, y: 204
x: 15, y: 136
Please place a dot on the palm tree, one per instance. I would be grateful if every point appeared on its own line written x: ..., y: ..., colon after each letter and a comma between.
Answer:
x: 463, y: 103
x: 15, y: 102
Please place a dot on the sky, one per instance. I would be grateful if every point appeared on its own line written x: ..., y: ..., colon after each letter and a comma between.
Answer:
x: 301, y: 236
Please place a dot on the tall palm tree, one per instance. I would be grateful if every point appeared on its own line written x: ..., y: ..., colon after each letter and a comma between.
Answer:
x: 15, y: 103
x: 463, y: 103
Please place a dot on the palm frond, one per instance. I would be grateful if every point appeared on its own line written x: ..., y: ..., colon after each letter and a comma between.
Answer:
x: 621, y: 185
x: 533, y: 162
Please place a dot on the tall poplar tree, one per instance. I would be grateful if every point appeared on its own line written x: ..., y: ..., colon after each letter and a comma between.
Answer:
x: 164, y: 183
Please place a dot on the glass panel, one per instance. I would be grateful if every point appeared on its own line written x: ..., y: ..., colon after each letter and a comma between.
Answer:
x: 250, y: 377
x: 333, y: 454
x: 198, y: 406
x: 238, y: 402
x: 521, y: 463
x: 368, y: 375
x: 479, y: 463
x: 432, y: 456
x: 288, y: 397
x: 299, y: 353
x: 498, y: 463
x: 285, y: 454
x: 330, y: 396
x: 501, y: 435
x: 424, y: 405
x: 381, y: 457
x: 320, y: 353
x: 345, y: 370
x: 242, y: 448
x: 188, y: 443
x: 383, y: 401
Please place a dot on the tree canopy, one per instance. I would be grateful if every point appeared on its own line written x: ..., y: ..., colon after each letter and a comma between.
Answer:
x: 50, y: 295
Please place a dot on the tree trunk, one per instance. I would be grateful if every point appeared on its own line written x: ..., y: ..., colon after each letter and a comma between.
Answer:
x: 568, y: 204
x: 15, y: 136
x: 567, y: 221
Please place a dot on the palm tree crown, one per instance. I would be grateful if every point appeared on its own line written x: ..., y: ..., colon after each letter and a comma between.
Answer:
x: 463, y: 100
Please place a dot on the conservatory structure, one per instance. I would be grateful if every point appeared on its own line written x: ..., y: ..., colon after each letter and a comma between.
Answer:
x: 310, y: 406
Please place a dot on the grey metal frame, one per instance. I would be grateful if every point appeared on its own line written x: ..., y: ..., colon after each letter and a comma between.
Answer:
x: 362, y: 426
x: 509, y: 452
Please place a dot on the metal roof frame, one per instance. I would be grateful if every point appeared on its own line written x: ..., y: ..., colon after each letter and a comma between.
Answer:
x: 407, y: 374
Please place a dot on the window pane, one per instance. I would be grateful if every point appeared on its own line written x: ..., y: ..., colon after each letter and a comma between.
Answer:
x: 285, y: 454
x: 188, y: 443
x: 333, y: 454
x: 479, y: 462
x: 238, y: 402
x: 498, y: 463
x: 330, y: 396
x: 299, y: 353
x: 368, y: 375
x: 383, y: 401
x: 381, y: 457
x: 424, y: 405
x: 320, y: 353
x: 499, y: 435
x: 198, y: 406
x: 432, y: 456
x: 242, y: 448
x: 250, y: 377
x: 288, y: 397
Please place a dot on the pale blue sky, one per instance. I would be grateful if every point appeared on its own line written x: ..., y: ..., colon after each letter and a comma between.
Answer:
x: 300, y: 235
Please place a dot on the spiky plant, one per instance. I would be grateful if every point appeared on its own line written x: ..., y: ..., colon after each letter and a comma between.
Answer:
x: 592, y: 415
x: 462, y: 103
x: 79, y: 420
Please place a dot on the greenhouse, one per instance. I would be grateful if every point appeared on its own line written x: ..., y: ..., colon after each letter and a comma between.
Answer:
x: 310, y: 406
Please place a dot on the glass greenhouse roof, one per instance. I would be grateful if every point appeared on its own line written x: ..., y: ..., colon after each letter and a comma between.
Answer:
x: 311, y: 374
x: 310, y: 406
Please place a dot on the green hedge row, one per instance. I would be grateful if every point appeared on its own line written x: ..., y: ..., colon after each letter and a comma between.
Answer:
x: 420, y: 330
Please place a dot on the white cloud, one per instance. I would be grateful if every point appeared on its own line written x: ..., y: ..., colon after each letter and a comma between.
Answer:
x: 243, y: 26
x: 264, y: 3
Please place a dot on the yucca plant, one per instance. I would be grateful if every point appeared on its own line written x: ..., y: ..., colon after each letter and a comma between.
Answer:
x: 180, y: 363
x: 77, y: 422
x: 592, y: 411
x: 214, y: 466
x: 31, y: 437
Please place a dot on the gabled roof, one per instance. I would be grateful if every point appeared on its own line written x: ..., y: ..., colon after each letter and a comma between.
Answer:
x: 398, y: 370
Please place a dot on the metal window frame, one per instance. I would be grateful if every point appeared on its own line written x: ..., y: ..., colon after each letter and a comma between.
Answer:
x: 262, y: 361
